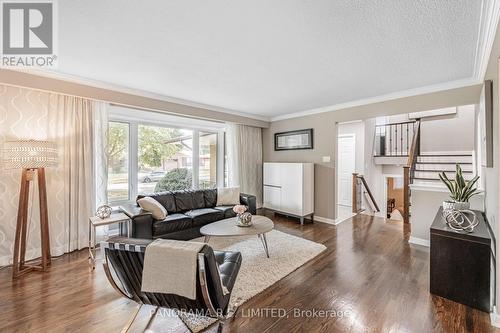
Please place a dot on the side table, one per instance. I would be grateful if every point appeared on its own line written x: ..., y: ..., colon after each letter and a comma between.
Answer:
x: 95, y: 222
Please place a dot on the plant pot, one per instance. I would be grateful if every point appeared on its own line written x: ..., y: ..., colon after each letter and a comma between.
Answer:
x: 453, y: 205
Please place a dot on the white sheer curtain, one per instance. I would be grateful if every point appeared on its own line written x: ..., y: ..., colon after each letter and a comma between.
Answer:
x: 244, y: 155
x: 78, y: 126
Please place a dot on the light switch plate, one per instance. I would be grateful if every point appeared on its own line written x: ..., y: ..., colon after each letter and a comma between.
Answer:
x: 326, y: 159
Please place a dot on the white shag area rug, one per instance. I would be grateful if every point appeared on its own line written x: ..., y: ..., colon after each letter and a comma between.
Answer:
x: 257, y: 272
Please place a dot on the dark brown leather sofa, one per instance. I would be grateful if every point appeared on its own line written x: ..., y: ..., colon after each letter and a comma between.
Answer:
x: 187, y: 211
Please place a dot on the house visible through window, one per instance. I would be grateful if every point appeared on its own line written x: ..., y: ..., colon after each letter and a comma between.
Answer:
x: 152, y: 152
x: 165, y: 159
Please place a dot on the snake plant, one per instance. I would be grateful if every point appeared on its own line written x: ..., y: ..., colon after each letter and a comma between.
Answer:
x: 460, y: 189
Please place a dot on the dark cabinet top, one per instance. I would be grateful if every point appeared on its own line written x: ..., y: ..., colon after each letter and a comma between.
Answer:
x: 481, y: 233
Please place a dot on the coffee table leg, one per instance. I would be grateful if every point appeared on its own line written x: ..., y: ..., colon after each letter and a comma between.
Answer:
x: 207, y: 238
x: 263, y: 239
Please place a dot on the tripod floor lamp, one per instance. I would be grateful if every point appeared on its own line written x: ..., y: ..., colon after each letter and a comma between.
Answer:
x: 32, y: 157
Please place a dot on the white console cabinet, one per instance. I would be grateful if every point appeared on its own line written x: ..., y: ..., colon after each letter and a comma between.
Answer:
x: 289, y: 188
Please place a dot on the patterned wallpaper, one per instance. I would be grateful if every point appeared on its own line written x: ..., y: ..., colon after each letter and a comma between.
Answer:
x: 70, y: 122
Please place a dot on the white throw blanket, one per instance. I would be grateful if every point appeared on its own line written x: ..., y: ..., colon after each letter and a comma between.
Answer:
x: 170, y: 267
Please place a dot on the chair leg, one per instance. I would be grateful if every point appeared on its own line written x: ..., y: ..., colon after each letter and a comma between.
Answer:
x: 221, y: 325
x: 132, y: 319
x: 153, y: 315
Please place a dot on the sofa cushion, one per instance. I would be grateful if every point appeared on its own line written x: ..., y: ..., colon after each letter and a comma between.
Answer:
x: 154, y: 207
x: 204, y: 216
x: 210, y: 198
x: 198, y: 199
x: 228, y: 196
x: 227, y: 210
x: 167, y: 199
x: 184, y: 201
x: 173, y: 223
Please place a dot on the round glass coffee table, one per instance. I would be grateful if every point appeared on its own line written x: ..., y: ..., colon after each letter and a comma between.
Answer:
x: 228, y: 228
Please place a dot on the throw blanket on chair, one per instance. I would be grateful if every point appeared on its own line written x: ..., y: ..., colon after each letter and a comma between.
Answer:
x: 170, y: 267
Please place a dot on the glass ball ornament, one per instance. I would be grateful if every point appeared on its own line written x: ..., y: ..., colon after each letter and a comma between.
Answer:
x: 103, y: 211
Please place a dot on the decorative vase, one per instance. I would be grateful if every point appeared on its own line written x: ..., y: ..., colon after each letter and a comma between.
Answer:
x: 453, y: 205
x: 244, y: 220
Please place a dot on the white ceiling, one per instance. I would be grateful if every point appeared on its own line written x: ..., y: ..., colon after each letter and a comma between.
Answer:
x: 269, y: 58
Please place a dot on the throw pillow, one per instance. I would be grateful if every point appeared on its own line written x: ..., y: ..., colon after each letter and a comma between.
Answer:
x: 227, y: 196
x: 151, y: 205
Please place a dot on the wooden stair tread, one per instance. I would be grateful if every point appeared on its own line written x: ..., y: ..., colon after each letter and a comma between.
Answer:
x: 446, y: 155
x: 425, y: 170
x: 421, y: 162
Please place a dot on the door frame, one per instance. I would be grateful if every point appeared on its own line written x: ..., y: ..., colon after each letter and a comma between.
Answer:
x: 384, y: 204
x: 348, y: 135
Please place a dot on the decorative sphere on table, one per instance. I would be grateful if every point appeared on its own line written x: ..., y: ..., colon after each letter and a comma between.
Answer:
x: 245, y: 220
x: 103, y: 211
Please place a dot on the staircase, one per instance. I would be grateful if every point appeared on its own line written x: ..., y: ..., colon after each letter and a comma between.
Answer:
x: 402, y: 140
x: 428, y: 167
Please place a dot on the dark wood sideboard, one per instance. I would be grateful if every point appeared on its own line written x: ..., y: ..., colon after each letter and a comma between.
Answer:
x: 461, y: 264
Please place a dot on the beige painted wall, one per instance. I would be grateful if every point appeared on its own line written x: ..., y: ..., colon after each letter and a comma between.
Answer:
x: 28, y: 80
x: 325, y: 135
x: 492, y: 203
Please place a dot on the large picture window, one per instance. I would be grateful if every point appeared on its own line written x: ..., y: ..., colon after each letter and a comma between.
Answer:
x: 156, y: 153
x: 118, y: 163
x: 165, y: 159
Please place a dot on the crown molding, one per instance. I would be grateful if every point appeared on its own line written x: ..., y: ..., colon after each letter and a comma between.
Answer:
x: 488, y: 22
x: 137, y: 92
x: 382, y: 98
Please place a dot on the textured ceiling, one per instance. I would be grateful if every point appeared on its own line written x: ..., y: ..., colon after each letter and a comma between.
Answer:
x: 269, y: 57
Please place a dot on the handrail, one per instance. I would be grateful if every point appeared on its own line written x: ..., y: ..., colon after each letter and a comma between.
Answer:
x: 399, y: 123
x: 355, y: 180
x: 415, y: 146
x: 409, y: 171
x: 369, y: 193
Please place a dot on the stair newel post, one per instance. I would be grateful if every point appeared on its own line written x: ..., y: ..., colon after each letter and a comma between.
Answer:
x: 406, y: 194
x: 354, y: 193
x: 418, y: 137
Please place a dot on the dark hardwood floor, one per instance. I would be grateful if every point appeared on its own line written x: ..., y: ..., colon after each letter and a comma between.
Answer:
x: 369, y: 275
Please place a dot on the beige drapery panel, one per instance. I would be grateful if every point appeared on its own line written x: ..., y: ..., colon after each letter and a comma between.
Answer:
x: 75, y: 186
x: 244, y: 145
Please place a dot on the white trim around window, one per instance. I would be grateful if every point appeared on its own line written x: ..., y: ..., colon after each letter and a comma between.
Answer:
x: 134, y: 118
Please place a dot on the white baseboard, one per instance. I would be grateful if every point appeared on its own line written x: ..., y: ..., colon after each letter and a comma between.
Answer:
x: 331, y: 221
x: 323, y: 219
x: 495, y: 317
x: 419, y: 241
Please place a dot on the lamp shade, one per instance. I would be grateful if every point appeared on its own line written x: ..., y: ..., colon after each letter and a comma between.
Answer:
x: 29, y: 154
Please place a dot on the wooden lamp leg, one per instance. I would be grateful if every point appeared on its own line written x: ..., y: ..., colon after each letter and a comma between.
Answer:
x: 18, y: 265
x: 44, y: 219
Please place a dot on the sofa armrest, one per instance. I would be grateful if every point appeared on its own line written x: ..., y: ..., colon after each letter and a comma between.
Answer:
x: 142, y: 221
x: 250, y: 201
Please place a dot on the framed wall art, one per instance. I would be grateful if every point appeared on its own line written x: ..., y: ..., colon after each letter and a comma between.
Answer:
x: 293, y: 140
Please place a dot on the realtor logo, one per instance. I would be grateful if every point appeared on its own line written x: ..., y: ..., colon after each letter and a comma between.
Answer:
x: 28, y: 29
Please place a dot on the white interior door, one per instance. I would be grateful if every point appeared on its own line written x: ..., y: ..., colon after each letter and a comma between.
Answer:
x: 346, y: 167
